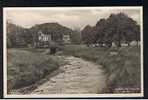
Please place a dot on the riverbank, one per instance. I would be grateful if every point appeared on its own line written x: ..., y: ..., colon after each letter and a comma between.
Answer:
x: 77, y: 77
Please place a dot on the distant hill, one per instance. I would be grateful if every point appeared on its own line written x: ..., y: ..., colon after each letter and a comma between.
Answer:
x: 51, y: 28
x: 56, y: 30
x: 18, y: 35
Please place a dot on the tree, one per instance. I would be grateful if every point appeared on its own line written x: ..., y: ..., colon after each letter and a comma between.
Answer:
x: 115, y: 33
x: 137, y: 33
x: 100, y: 31
x: 116, y: 28
x: 124, y: 30
x: 54, y: 29
x: 88, y: 36
x: 76, y: 36
x: 18, y: 36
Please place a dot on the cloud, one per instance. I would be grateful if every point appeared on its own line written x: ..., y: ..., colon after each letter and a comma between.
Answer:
x: 68, y: 17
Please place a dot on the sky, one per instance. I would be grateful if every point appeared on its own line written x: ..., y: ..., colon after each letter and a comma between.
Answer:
x: 71, y: 17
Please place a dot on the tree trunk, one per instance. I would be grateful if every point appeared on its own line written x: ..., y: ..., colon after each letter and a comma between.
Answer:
x: 128, y: 43
x: 87, y: 45
x: 137, y: 43
x: 119, y: 44
x: 101, y: 44
x: 110, y: 45
x: 53, y: 50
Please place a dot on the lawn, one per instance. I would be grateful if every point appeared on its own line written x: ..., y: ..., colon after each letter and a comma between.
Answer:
x: 26, y: 67
x: 120, y: 65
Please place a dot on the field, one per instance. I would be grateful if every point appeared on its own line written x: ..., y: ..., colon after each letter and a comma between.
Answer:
x: 27, y: 66
x: 121, y: 65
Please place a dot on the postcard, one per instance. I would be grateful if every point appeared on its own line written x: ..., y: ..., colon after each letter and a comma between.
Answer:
x: 73, y: 52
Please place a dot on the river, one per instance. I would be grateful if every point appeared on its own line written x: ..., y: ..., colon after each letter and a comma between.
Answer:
x: 78, y: 76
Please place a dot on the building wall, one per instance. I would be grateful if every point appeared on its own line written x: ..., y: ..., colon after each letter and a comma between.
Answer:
x: 66, y: 38
x: 44, y: 37
x: 48, y: 38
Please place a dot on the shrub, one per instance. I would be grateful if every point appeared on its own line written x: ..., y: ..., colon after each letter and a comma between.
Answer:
x: 25, y: 68
x: 123, y: 70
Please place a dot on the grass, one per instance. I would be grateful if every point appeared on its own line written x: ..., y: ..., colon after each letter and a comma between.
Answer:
x: 26, y: 67
x: 120, y: 65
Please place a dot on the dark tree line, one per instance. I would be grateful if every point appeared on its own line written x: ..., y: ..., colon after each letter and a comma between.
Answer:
x: 116, y: 28
x: 18, y: 36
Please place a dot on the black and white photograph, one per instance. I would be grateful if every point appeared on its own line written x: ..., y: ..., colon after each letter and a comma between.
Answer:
x: 73, y: 51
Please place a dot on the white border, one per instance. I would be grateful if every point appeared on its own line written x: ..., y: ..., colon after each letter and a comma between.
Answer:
x: 5, y: 9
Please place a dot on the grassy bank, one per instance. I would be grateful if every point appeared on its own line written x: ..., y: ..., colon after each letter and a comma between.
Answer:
x: 26, y: 67
x: 120, y: 65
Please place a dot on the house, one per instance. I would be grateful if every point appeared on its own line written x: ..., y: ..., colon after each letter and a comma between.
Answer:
x: 124, y: 44
x: 47, y: 39
x: 66, y: 39
x: 134, y: 43
x: 44, y: 37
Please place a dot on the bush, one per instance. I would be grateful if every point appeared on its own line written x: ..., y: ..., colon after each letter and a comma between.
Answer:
x: 123, y: 70
x: 25, y: 68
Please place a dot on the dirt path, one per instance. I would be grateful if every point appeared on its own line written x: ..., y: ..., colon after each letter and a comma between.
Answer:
x: 78, y: 77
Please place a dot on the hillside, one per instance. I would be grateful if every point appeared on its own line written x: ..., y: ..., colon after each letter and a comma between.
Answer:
x: 21, y: 36
x: 51, y: 28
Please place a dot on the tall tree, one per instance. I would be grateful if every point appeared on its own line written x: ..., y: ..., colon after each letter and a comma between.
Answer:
x: 88, y: 36
x: 76, y: 36
x: 100, y: 30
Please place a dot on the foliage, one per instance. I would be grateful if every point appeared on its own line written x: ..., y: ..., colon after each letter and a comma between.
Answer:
x: 116, y: 28
x: 56, y: 30
x: 121, y: 68
x: 17, y: 36
x: 25, y: 67
x: 76, y: 36
x: 88, y: 35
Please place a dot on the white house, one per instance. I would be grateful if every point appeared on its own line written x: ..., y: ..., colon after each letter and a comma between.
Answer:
x: 44, y: 37
x: 66, y: 38
x: 47, y: 37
